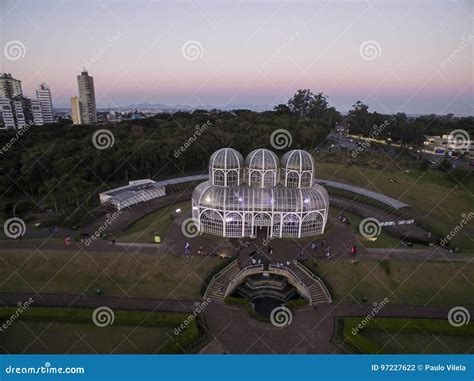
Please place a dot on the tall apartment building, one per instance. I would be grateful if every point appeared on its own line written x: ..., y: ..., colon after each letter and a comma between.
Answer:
x: 17, y: 111
x: 9, y: 86
x: 87, y: 105
x: 75, y: 110
x: 7, y: 119
x: 44, y: 97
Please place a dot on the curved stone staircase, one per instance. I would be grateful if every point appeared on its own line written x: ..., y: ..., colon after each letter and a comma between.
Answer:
x: 316, y: 288
x: 218, y: 284
x: 216, y: 291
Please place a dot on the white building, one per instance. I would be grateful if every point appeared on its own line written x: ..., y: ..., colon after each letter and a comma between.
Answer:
x: 241, y: 198
x: 44, y: 97
x: 9, y: 86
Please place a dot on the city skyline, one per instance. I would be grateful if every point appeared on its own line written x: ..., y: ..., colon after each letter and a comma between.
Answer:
x: 395, y: 59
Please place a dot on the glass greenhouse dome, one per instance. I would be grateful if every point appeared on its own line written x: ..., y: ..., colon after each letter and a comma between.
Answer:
x: 240, y: 199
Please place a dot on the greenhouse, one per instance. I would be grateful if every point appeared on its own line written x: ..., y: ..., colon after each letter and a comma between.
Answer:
x: 260, y: 193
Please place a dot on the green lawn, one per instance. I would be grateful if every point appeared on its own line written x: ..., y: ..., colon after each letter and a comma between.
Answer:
x: 159, y: 221
x: 118, y: 274
x: 432, y: 193
x: 71, y: 330
x: 435, y: 283
x: 405, y: 335
x: 384, y: 240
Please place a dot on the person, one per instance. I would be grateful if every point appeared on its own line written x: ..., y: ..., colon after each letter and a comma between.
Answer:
x: 313, y: 246
x: 187, y: 248
x: 354, y: 250
x: 301, y: 254
x: 328, y: 253
x: 270, y: 249
x: 113, y: 242
x: 323, y: 243
x: 200, y: 251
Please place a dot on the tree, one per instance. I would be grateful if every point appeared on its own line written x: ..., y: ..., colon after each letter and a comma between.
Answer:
x: 282, y: 109
x: 301, y: 102
x: 445, y: 165
x: 357, y: 118
x: 425, y: 164
x: 319, y: 105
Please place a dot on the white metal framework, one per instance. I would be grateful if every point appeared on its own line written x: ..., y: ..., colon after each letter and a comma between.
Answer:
x: 252, y: 198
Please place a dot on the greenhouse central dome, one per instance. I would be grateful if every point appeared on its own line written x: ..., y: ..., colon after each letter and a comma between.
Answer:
x: 243, y: 197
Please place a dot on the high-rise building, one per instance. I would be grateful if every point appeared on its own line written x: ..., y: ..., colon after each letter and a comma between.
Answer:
x: 18, y: 111
x: 87, y: 98
x: 75, y: 110
x: 44, y: 97
x: 7, y: 119
x: 9, y: 86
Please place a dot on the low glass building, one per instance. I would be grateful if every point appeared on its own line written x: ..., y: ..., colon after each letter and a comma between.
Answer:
x: 260, y: 192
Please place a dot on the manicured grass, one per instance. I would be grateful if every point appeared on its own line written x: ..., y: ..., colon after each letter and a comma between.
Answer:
x: 404, y: 335
x: 432, y: 193
x: 384, y: 240
x: 158, y: 221
x: 402, y: 282
x: 71, y: 330
x: 117, y: 274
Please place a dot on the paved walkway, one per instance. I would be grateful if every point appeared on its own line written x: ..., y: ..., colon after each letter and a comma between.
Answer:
x: 310, y: 331
x: 134, y: 304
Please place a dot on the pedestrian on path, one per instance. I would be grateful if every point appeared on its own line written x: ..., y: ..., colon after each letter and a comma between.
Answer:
x: 187, y: 248
x: 353, y: 250
x: 313, y: 246
x: 270, y: 249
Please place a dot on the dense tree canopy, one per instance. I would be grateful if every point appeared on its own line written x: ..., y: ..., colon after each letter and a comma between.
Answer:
x: 58, y: 166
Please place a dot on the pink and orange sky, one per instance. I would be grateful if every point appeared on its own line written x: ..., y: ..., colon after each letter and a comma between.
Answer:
x: 248, y: 52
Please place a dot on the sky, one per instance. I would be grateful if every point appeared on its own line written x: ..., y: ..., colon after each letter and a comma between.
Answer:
x: 396, y: 56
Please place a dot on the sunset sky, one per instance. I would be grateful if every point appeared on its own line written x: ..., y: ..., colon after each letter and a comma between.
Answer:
x: 252, y: 52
